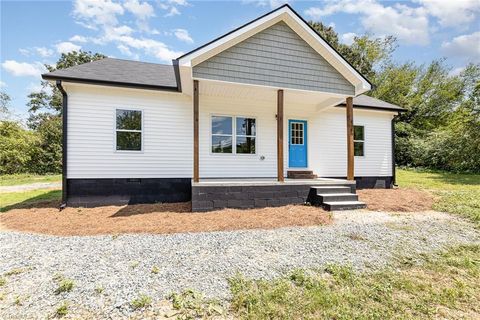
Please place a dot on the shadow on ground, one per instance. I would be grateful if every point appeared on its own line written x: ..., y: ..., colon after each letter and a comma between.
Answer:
x: 136, y: 209
x: 50, y: 199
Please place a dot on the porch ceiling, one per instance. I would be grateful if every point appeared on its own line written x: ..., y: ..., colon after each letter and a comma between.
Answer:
x: 318, y: 100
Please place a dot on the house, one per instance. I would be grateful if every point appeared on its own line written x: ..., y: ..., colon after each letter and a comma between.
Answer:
x: 268, y: 114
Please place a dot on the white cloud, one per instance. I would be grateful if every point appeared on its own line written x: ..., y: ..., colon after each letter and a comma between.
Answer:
x: 104, y: 16
x: 263, y: 3
x: 172, y: 6
x: 24, y: 52
x: 65, y: 47
x: 78, y: 38
x: 408, y: 24
x: 348, y: 37
x: 93, y: 13
x: 23, y: 69
x: 142, y: 11
x: 452, y: 13
x: 2, y: 84
x: 151, y: 47
x: 44, y: 52
x: 173, y: 12
x: 183, y: 35
x: 466, y: 46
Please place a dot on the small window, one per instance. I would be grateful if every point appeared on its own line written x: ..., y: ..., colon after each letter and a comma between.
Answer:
x: 128, y: 130
x: 246, y: 135
x: 359, y: 141
x: 222, y: 134
x: 296, y: 133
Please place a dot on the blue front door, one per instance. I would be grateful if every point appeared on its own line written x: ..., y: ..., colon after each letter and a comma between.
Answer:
x: 297, y: 143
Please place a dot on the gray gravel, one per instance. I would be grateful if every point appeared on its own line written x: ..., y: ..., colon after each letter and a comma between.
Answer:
x: 30, y: 186
x: 122, y: 265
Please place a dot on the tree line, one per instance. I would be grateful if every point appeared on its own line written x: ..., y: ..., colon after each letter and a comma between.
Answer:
x: 439, y: 130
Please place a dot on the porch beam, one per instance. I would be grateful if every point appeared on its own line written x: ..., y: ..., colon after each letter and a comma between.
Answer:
x: 350, y: 147
x: 280, y: 136
x: 196, y: 167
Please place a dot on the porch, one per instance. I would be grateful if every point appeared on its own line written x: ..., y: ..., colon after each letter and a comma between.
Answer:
x: 246, y: 193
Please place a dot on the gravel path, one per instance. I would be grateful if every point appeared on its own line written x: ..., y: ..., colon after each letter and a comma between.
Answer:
x: 30, y: 186
x: 122, y: 266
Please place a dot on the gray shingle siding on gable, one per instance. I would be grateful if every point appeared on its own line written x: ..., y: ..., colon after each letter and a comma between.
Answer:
x: 276, y: 57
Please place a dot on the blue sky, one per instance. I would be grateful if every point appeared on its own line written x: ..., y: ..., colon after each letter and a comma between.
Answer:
x: 36, y: 32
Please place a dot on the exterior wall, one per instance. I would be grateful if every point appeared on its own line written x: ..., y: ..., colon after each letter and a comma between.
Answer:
x: 242, y: 165
x: 167, y: 134
x: 329, y: 154
x: 276, y: 57
x: 326, y: 152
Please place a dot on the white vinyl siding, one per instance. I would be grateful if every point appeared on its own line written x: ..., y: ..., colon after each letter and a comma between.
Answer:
x: 328, y: 156
x: 167, y: 133
x: 168, y: 136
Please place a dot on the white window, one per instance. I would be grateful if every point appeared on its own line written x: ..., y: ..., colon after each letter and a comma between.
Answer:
x: 359, y: 141
x: 234, y: 135
x: 128, y: 130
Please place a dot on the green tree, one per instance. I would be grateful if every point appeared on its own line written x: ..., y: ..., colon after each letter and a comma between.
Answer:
x: 4, y: 105
x: 365, y: 53
x: 17, y: 147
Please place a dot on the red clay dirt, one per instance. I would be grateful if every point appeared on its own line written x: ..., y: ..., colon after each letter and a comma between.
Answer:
x: 397, y: 200
x: 154, y: 218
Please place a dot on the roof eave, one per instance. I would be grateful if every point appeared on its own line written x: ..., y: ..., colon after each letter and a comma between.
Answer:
x: 47, y: 76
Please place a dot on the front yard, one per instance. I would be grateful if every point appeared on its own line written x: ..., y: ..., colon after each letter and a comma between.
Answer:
x: 399, y: 259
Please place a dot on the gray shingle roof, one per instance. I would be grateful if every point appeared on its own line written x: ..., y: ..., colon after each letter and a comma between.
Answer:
x: 373, y: 103
x: 119, y: 71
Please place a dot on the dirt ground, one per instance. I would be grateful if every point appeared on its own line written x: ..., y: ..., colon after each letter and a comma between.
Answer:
x: 155, y: 218
x: 398, y: 200
x: 176, y: 217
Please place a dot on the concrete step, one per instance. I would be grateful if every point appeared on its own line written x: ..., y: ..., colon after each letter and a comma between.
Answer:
x: 343, y: 205
x: 332, y: 189
x: 301, y: 174
x: 333, y: 197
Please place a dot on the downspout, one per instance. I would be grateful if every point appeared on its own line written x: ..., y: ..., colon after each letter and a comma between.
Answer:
x: 394, y: 176
x: 64, y: 143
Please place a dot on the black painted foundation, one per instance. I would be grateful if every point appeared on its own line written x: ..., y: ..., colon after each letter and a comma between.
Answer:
x: 91, y: 192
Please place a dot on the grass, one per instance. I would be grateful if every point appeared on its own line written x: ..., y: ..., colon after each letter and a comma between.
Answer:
x: 17, y: 179
x: 458, y: 193
x: 62, y: 310
x: 64, y: 285
x: 444, y: 285
x: 25, y: 199
x: 142, y: 301
x: 190, y: 304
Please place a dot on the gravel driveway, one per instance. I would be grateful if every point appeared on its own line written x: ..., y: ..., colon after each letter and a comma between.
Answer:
x: 30, y: 186
x: 122, y: 266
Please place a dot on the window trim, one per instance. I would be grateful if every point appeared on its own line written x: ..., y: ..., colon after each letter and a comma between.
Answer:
x: 115, y: 130
x: 364, y: 139
x: 234, y: 135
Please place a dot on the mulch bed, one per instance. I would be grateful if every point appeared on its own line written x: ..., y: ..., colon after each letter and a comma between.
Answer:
x: 154, y: 218
x: 398, y: 200
x: 177, y: 217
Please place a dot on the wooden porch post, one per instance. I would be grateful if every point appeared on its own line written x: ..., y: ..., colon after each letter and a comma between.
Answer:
x: 280, y: 135
x: 196, y: 174
x: 350, y: 148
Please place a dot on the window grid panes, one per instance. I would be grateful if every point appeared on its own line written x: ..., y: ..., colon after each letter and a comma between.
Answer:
x: 296, y: 133
x: 223, y: 138
x: 359, y: 141
x: 128, y: 126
